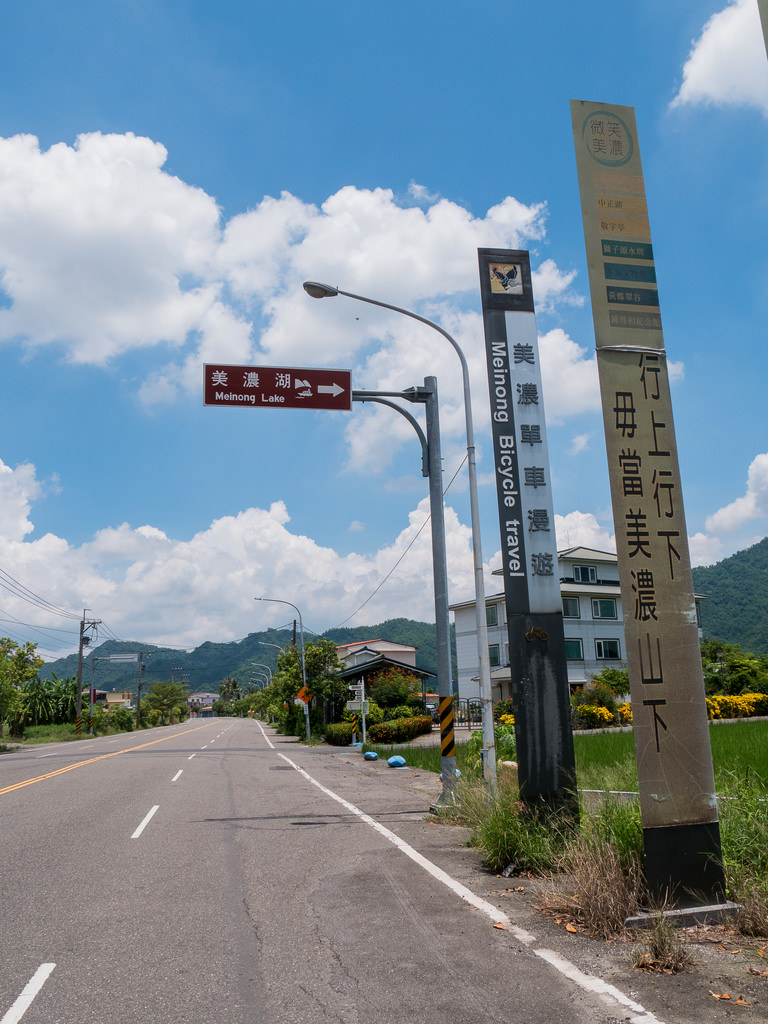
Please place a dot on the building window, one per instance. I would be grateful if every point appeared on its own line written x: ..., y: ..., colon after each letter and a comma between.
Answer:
x: 607, y: 650
x: 491, y: 615
x: 571, y: 608
x: 604, y: 608
x: 493, y: 655
x: 574, y: 650
x: 585, y: 574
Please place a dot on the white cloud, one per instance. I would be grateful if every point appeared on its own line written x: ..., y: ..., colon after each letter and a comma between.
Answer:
x: 205, y: 587
x: 725, y: 528
x: 95, y: 242
x: 580, y: 443
x: 552, y: 285
x: 18, y: 489
x: 569, y: 377
x: 582, y: 529
x: 727, y: 63
x: 103, y: 251
x: 705, y: 550
x: 752, y: 505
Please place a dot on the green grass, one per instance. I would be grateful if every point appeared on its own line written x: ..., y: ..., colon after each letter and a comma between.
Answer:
x: 606, y: 760
x: 428, y: 758
x: 739, y: 751
x: 48, y: 734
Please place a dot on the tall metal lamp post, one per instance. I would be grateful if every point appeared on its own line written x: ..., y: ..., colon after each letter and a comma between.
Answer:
x: 317, y: 290
x: 277, y: 600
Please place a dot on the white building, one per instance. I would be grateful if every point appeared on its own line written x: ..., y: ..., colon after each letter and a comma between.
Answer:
x: 592, y: 624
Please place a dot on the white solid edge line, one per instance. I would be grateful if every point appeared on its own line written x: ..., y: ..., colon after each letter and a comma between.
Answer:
x: 140, y: 829
x: 269, y: 741
x: 178, y: 773
x: 589, y: 984
x: 30, y: 990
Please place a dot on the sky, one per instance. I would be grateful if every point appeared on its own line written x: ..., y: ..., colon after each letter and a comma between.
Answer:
x: 171, y: 171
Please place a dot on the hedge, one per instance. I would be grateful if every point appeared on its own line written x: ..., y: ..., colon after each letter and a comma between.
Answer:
x: 742, y: 705
x: 400, y: 730
x: 339, y: 734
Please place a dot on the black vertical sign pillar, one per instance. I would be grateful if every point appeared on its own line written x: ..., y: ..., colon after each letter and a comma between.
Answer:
x: 539, y: 677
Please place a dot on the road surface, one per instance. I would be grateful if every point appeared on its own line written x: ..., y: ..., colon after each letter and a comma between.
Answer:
x: 215, y: 873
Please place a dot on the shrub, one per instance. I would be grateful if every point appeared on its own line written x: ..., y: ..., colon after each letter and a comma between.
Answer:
x: 399, y: 730
x: 505, y: 742
x: 502, y: 707
x: 401, y: 711
x: 339, y: 734
x: 744, y: 705
x: 393, y: 686
x: 625, y: 714
x: 614, y: 679
x: 122, y: 719
x: 591, y: 716
x: 374, y: 714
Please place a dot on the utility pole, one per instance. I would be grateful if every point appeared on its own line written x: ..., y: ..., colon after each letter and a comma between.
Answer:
x: 85, y: 626
x: 138, y: 693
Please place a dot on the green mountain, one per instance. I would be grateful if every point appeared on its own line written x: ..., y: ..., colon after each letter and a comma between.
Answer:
x: 736, y: 592
x: 206, y: 666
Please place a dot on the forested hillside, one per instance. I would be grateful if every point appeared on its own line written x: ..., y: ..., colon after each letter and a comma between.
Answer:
x: 206, y: 666
x: 736, y: 592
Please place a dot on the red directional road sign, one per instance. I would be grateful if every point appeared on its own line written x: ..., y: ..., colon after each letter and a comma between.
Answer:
x: 271, y: 387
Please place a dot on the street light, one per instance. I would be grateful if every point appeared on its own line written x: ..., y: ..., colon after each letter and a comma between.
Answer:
x: 277, y: 600
x: 261, y: 664
x: 317, y: 290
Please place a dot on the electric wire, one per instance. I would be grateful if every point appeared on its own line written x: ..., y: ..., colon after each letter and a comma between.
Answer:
x: 402, y: 556
x: 18, y: 589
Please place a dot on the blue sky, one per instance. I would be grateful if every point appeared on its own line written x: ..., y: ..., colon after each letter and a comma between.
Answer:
x: 170, y: 172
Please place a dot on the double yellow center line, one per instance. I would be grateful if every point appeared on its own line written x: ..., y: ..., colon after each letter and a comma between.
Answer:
x: 92, y: 760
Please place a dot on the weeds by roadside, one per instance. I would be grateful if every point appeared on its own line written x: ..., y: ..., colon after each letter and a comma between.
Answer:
x: 596, y: 867
x: 662, y: 950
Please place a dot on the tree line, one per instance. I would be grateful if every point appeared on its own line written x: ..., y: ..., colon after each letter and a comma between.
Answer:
x: 28, y: 701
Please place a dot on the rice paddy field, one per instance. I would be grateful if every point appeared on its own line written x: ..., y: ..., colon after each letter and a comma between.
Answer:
x: 739, y: 754
x: 606, y: 760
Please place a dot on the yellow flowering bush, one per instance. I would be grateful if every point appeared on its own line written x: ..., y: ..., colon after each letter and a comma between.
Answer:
x: 625, y: 713
x: 507, y: 719
x: 742, y: 705
x: 592, y: 716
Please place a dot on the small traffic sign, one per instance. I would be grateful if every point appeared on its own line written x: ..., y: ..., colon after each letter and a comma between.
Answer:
x: 354, y: 705
x: 304, y: 695
x: 272, y: 387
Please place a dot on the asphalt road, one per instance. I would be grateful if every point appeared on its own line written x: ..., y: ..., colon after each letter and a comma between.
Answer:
x: 214, y: 873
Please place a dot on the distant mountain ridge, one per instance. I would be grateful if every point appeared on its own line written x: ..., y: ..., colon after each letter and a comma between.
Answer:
x: 736, y: 592
x: 210, y: 663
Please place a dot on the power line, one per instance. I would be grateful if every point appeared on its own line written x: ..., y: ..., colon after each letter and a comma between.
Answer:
x: 18, y: 589
x: 402, y: 556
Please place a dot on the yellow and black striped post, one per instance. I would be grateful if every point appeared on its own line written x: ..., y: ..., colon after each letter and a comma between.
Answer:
x: 447, y: 746
x: 354, y: 728
x: 78, y: 724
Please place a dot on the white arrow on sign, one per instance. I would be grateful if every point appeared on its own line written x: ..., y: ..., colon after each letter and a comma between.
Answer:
x: 329, y: 389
